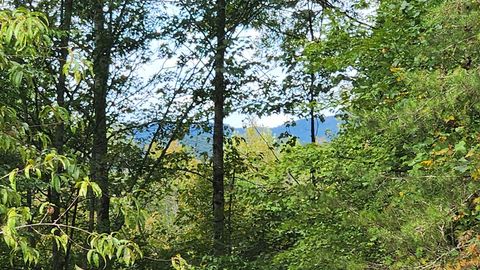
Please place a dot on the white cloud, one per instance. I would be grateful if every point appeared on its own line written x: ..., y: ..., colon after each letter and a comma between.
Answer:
x: 238, y: 120
x: 273, y: 120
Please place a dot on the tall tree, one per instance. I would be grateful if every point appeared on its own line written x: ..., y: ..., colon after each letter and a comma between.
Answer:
x: 218, y: 136
x: 101, y: 64
x: 304, y: 91
x: 61, y: 88
x: 28, y: 225
x: 212, y: 28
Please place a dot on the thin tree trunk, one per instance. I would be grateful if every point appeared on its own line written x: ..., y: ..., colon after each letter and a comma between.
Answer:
x: 91, y: 210
x: 312, y: 95
x: 230, y: 213
x: 312, y: 83
x: 72, y: 233
x: 312, y: 110
x: 65, y: 25
x: 101, y: 63
x: 219, y: 246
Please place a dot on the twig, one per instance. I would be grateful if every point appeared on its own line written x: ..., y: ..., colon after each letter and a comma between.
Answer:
x: 50, y: 225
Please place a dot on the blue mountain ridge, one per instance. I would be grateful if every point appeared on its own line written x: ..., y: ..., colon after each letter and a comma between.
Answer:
x: 325, y: 131
x: 200, y: 141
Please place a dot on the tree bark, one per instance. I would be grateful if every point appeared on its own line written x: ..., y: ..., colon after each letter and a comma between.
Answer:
x: 312, y: 97
x: 65, y: 25
x: 312, y: 83
x: 101, y: 63
x: 72, y: 233
x: 219, y: 246
x: 312, y: 109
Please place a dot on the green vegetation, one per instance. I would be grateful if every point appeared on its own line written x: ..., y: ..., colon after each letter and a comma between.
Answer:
x: 397, y: 188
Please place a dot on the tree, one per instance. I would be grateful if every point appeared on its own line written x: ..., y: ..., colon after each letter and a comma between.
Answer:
x: 26, y: 36
x: 218, y: 136
x: 74, y: 93
x: 66, y: 21
x: 213, y: 27
x: 94, y: 171
x: 292, y: 28
x: 101, y: 64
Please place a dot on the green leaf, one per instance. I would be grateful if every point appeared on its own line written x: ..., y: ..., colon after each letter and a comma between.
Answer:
x: 96, y: 189
x: 12, y: 179
x: 76, y: 173
x: 27, y: 171
x: 119, y: 251
x: 89, y: 256
x: 42, y: 207
x: 83, y: 185
x: 38, y: 172
x: 96, y: 259
x: 461, y: 148
x: 64, y: 241
x: 55, y: 182
x: 461, y: 168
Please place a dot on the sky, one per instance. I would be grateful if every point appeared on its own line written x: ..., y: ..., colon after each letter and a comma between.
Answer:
x: 238, y: 120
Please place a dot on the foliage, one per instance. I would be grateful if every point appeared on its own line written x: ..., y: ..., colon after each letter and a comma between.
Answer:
x: 38, y: 166
x: 397, y: 188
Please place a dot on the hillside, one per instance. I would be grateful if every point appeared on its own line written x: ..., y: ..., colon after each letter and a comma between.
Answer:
x: 301, y: 129
x: 201, y: 141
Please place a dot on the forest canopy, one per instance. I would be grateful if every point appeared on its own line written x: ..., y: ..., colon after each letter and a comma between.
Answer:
x: 103, y: 103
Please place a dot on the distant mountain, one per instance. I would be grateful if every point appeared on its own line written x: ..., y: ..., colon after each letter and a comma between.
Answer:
x: 198, y: 140
x: 201, y: 141
x: 301, y: 129
x: 324, y: 131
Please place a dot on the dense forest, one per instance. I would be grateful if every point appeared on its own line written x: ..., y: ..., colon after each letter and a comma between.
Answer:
x: 101, y: 99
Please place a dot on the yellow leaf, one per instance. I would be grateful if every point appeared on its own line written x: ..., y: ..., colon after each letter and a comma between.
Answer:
x: 441, y: 152
x: 476, y: 200
x: 395, y: 69
x: 427, y: 163
x: 49, y: 157
x: 470, y: 153
x: 450, y: 118
x: 476, y: 174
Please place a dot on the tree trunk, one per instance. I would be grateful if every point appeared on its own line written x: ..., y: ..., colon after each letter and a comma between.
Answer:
x: 101, y: 63
x: 312, y: 96
x: 312, y: 83
x: 312, y: 109
x: 65, y: 25
x: 230, y: 213
x: 219, y: 246
x: 72, y: 233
